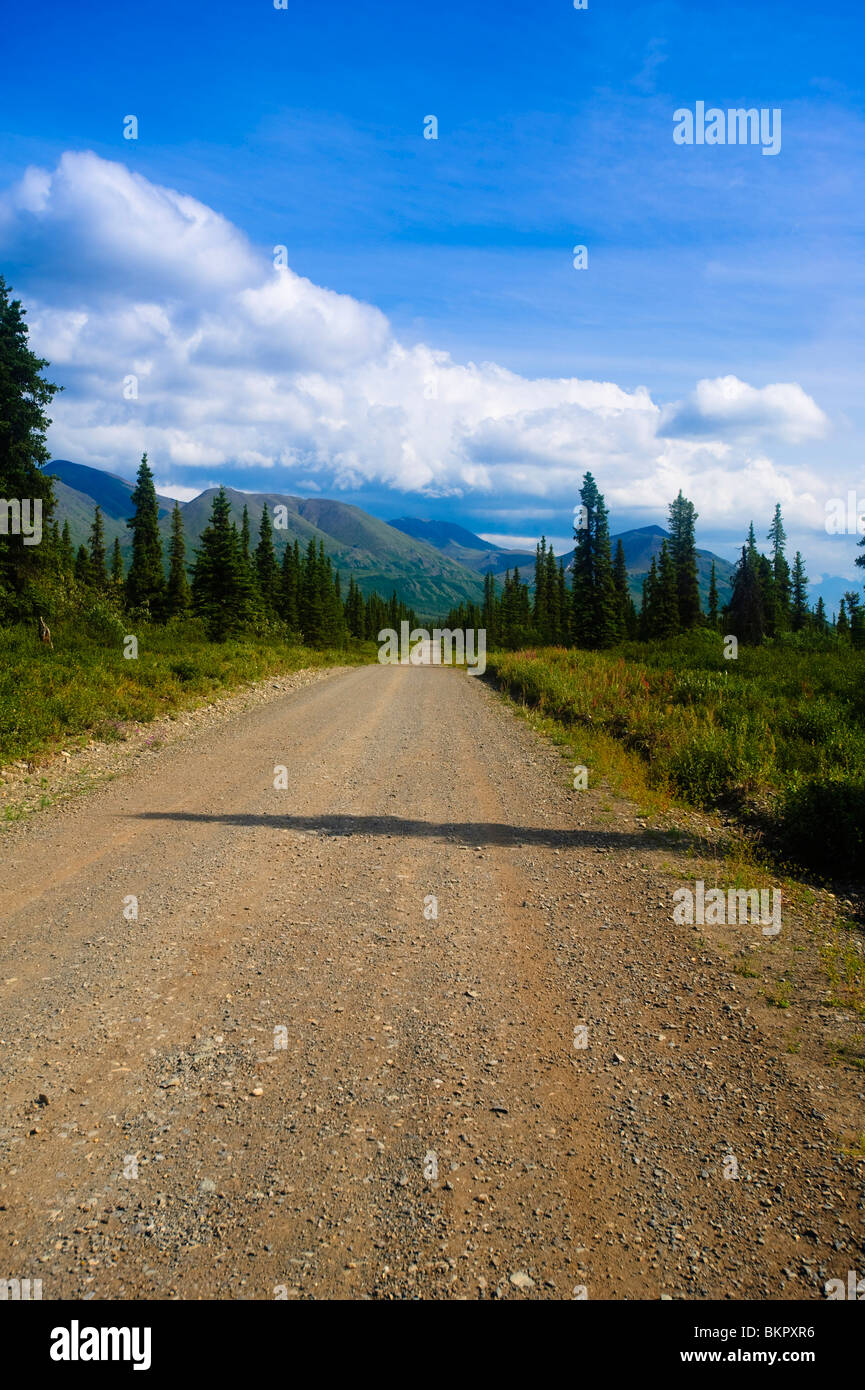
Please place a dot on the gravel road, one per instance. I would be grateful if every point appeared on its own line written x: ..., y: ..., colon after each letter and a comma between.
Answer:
x: 334, y: 1056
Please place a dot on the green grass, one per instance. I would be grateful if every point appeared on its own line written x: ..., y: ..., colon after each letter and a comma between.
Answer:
x: 776, y: 736
x: 85, y: 687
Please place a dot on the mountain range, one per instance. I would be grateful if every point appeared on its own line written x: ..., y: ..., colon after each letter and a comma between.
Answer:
x: 432, y: 565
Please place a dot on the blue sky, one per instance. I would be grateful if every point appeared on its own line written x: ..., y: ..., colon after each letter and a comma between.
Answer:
x: 304, y: 127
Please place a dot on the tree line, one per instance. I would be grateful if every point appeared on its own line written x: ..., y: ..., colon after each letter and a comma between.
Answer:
x: 593, y: 608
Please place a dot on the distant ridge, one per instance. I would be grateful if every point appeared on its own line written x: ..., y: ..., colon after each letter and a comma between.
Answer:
x: 432, y: 565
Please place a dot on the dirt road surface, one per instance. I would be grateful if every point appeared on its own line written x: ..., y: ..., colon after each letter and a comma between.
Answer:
x: 335, y: 1055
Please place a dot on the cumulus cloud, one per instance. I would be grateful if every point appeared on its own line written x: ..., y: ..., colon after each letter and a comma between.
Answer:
x: 729, y: 408
x: 240, y: 364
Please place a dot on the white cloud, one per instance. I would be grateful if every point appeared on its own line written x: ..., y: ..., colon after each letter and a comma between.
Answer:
x: 241, y: 365
x: 729, y: 408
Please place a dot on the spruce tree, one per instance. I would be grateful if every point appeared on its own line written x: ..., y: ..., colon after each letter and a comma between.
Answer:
x: 627, y: 613
x: 799, y: 611
x: 553, y: 635
x: 713, y: 599
x: 98, y: 553
x: 267, y: 567
x: 820, y: 620
x: 83, y: 574
x: 219, y: 594
x: 856, y: 616
x: 842, y: 626
x: 667, y: 595
x: 354, y: 610
x: 745, y: 611
x: 768, y: 595
x: 117, y: 568
x: 564, y: 636
x: 683, y: 551
x: 288, y: 599
x: 595, y: 621
x: 490, y: 616
x: 67, y: 549
x: 780, y: 572
x: 649, y: 606
x: 178, y: 596
x: 24, y: 396
x: 145, y: 581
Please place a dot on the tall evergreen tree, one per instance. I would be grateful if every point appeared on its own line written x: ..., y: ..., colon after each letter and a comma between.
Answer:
x: 799, y: 610
x: 768, y: 596
x: 289, y: 588
x: 24, y: 396
x: 117, y: 568
x: 354, y: 614
x: 595, y: 618
x: 83, y: 573
x: 267, y: 567
x: 649, y: 606
x: 683, y: 550
x: 490, y: 609
x: 713, y: 599
x: 627, y: 613
x: 745, y: 612
x: 667, y: 622
x: 178, y: 596
x: 842, y: 626
x: 67, y: 549
x: 98, y: 553
x: 220, y: 592
x: 145, y: 580
x: 856, y: 616
x: 780, y: 571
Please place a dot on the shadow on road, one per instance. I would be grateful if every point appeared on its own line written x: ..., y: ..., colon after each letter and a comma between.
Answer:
x: 474, y: 833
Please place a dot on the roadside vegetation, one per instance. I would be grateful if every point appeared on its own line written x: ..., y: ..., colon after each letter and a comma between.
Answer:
x: 775, y: 737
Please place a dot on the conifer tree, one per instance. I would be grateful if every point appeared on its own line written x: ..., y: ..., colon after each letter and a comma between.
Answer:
x: 768, y: 595
x: 490, y: 610
x: 289, y: 588
x: 24, y: 396
x: 842, y: 626
x: 745, y: 611
x: 178, y: 596
x: 117, y: 568
x: 564, y: 636
x: 267, y: 567
x: 649, y: 607
x: 667, y: 595
x: 713, y: 599
x: 354, y: 612
x: 67, y: 549
x: 683, y: 552
x: 627, y: 613
x: 594, y: 597
x: 145, y: 580
x: 82, y: 567
x: 799, y: 610
x: 219, y: 590
x: 98, y: 553
x: 780, y: 572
